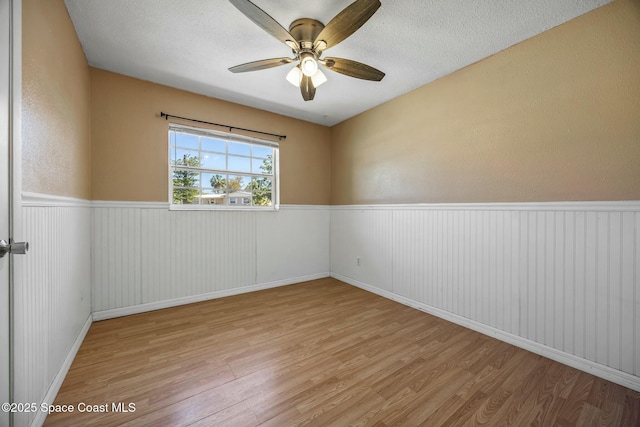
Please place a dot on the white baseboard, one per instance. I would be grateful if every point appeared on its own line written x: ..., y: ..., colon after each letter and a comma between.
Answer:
x: 142, y: 308
x: 62, y: 373
x: 605, y: 372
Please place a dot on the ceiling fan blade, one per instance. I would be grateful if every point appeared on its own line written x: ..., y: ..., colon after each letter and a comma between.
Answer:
x: 260, y: 65
x: 266, y: 22
x: 353, y: 69
x: 307, y: 88
x: 347, y: 22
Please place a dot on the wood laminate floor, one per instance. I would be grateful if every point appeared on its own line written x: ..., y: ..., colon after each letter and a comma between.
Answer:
x: 322, y: 353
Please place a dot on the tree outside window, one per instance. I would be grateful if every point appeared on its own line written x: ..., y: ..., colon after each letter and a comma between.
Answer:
x: 185, y: 182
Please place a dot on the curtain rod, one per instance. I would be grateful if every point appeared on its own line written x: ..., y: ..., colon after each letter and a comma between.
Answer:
x: 231, y: 128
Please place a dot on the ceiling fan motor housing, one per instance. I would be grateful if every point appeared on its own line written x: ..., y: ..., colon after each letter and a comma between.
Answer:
x: 305, y: 31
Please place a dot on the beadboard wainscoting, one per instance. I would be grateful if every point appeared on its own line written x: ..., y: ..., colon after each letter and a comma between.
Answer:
x: 559, y: 279
x: 145, y: 256
x: 53, y: 301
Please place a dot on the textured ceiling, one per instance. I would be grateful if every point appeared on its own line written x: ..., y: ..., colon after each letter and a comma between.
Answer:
x: 190, y: 44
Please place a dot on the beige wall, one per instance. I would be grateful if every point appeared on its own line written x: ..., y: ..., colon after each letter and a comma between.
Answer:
x: 554, y: 118
x: 130, y: 152
x: 56, y: 99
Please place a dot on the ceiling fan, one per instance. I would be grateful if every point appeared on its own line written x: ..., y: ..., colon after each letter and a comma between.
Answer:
x: 308, y: 39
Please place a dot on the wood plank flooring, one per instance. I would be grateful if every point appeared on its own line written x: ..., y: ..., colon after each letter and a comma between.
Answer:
x: 322, y: 353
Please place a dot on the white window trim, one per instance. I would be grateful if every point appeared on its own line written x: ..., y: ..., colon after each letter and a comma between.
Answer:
x: 230, y: 137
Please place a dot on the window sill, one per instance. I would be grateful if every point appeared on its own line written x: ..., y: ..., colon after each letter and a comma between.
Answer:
x: 173, y: 207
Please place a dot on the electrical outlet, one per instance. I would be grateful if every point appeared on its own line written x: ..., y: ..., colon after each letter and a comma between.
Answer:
x: 358, y: 261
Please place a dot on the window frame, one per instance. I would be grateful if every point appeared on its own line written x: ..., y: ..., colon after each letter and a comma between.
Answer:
x: 228, y: 137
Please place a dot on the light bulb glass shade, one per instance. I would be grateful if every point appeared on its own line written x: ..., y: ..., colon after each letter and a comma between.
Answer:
x: 293, y: 45
x: 308, y: 64
x: 295, y: 76
x: 318, y: 78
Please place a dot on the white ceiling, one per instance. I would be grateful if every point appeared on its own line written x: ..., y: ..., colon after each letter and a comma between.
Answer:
x: 190, y: 44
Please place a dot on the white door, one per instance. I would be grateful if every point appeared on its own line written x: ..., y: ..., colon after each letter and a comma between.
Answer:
x: 8, y: 46
x: 5, y: 84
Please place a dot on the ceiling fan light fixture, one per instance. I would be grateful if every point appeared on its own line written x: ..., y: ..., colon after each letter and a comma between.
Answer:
x: 308, y: 64
x: 295, y: 76
x: 320, y: 45
x: 308, y: 38
x: 293, y: 45
x: 318, y: 78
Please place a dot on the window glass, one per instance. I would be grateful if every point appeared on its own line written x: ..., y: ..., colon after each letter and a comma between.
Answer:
x: 184, y: 140
x: 262, y: 152
x: 239, y: 164
x: 213, y: 161
x: 211, y: 144
x: 184, y: 157
x: 261, y: 166
x: 239, y: 148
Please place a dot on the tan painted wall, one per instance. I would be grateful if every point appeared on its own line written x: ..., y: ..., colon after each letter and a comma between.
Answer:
x: 130, y: 140
x: 56, y: 100
x: 554, y: 118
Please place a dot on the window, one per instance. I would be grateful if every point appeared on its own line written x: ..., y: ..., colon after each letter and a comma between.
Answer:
x: 210, y: 169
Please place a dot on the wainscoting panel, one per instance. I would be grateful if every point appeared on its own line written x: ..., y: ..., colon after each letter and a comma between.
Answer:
x: 192, y: 253
x: 114, y: 279
x: 293, y: 242
x: 363, y: 235
x: 143, y: 255
x: 561, y: 276
x: 52, y: 302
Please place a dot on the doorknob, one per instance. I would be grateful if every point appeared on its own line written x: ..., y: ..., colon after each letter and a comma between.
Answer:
x: 18, y: 248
